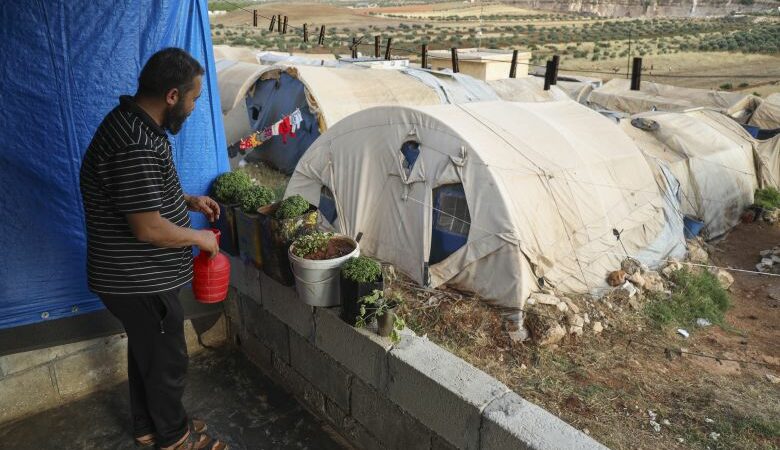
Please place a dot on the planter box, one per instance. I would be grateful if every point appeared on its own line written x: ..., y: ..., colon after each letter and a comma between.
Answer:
x: 276, y: 236
x: 226, y: 224
x: 351, y: 292
x: 249, y: 245
x: 317, y: 280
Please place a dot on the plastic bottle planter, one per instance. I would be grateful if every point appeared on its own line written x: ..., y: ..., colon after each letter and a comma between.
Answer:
x: 351, y: 292
x: 226, y: 224
x: 317, y: 281
x: 249, y: 241
x: 276, y: 235
x: 211, y: 277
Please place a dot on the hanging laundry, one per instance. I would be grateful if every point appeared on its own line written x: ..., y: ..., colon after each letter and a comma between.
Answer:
x: 267, y: 133
x: 285, y: 129
x: 296, y: 119
x: 251, y: 141
x: 275, y: 129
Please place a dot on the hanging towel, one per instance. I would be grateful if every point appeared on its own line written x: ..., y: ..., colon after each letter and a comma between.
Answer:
x: 285, y: 129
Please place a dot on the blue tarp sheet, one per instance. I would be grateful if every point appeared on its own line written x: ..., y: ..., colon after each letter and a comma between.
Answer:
x: 64, y: 64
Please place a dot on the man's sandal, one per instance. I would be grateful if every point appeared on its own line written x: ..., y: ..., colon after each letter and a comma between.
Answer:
x: 196, y: 441
x: 197, y: 426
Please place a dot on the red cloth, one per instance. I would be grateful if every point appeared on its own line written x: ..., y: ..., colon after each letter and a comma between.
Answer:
x: 285, y: 129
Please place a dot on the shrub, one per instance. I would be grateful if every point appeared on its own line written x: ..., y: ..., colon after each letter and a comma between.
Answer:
x: 694, y: 295
x: 743, y: 85
x: 311, y: 243
x: 726, y: 86
x: 254, y: 197
x: 768, y: 198
x: 362, y: 270
x: 228, y: 186
x: 292, y: 207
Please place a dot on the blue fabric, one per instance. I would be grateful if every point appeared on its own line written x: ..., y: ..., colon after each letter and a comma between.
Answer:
x: 444, y: 241
x: 272, y: 101
x: 64, y: 65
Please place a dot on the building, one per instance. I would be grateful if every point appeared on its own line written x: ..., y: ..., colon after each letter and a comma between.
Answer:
x: 481, y: 64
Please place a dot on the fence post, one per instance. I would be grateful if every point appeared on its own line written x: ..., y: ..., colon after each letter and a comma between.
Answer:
x: 513, y: 67
x: 305, y: 33
x: 321, y: 39
x: 377, y: 51
x: 388, y: 48
x: 279, y: 23
x: 455, y: 68
x: 254, y: 18
x: 273, y: 22
x: 636, y: 74
x: 424, y: 62
x: 548, y: 75
x: 555, y: 61
x: 284, y: 30
x: 354, y: 47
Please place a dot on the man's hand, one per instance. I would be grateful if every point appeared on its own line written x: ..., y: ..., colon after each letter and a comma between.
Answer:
x: 203, y: 204
x: 208, y: 243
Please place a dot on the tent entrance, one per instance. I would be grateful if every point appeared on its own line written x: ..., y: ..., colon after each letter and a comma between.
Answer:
x: 451, y: 222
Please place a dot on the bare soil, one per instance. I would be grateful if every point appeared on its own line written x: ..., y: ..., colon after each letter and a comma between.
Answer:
x: 336, y: 249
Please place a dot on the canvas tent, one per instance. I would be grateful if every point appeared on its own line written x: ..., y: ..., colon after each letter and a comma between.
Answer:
x: 526, y: 89
x: 767, y: 114
x: 711, y: 156
x: 534, y: 189
x: 617, y: 95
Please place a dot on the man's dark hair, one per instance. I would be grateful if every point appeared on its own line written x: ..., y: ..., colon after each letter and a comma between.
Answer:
x: 167, y: 69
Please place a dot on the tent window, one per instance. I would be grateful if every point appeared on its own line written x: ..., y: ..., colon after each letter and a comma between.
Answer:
x: 451, y: 221
x: 410, y: 150
x: 327, y: 205
x: 255, y: 112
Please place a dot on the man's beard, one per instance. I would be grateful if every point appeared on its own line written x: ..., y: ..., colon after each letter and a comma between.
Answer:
x: 175, y: 118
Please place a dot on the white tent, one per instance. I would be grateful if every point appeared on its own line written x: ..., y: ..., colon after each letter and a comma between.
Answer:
x: 711, y: 156
x: 767, y: 114
x: 544, y: 185
x: 617, y: 95
x: 526, y: 89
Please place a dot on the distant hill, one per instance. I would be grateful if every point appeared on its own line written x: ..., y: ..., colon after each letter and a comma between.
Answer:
x: 652, y: 8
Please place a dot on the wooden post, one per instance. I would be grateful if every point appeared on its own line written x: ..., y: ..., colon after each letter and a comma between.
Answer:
x: 548, y: 75
x: 455, y: 68
x: 273, y: 22
x: 284, y: 29
x: 555, y: 61
x: 513, y: 67
x: 388, y: 48
x: 377, y: 50
x: 279, y: 23
x: 424, y: 62
x: 354, y: 47
x: 636, y: 74
x: 254, y: 18
x: 321, y: 39
x: 305, y: 33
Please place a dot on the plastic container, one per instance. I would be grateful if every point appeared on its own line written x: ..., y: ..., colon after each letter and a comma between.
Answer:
x: 317, y: 281
x: 692, y: 227
x: 276, y: 235
x: 226, y: 224
x: 351, y: 292
x: 211, y: 277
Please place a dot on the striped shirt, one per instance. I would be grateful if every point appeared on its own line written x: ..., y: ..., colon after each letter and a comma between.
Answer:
x: 128, y: 169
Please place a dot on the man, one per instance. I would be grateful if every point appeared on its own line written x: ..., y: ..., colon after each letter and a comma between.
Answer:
x: 140, y: 242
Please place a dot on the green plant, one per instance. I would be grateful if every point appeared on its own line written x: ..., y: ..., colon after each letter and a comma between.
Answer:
x: 726, y: 86
x: 767, y: 198
x: 292, y: 207
x: 362, y: 270
x: 311, y: 243
x: 229, y: 186
x: 254, y: 197
x: 376, y: 305
x: 694, y: 295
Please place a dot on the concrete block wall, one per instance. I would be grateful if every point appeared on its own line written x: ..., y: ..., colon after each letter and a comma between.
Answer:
x: 412, y: 395
x: 31, y: 382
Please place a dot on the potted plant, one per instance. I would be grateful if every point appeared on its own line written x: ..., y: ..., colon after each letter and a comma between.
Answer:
x: 377, y: 305
x: 359, y: 277
x: 280, y: 224
x: 316, y: 261
x: 226, y: 190
x: 248, y: 222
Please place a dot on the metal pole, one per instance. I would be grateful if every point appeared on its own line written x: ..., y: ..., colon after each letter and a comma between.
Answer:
x: 513, y: 67
x: 424, y: 62
x: 556, y: 61
x: 273, y: 22
x: 388, y: 48
x: 284, y: 30
x: 636, y: 74
x: 279, y: 23
x: 548, y: 75
x: 354, y: 47
x: 628, y: 59
x: 377, y: 51
x: 305, y: 33
x: 455, y: 68
x: 321, y: 39
x: 254, y: 18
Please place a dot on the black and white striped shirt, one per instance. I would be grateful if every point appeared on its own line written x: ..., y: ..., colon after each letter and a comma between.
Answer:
x: 128, y: 168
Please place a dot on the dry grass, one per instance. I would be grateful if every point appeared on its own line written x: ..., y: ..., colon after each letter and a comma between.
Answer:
x: 266, y: 176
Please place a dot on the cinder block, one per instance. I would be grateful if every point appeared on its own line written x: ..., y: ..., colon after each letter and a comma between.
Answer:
x: 320, y: 370
x: 27, y: 392
x: 258, y: 353
x: 393, y: 427
x: 361, y: 351
x: 282, y: 302
x: 438, y: 443
x: 360, y: 437
x: 441, y: 390
x: 510, y: 422
x: 15, y: 363
x: 232, y: 310
x: 271, y: 331
x: 92, y: 369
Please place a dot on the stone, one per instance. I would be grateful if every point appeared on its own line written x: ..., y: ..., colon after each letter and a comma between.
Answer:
x: 563, y: 307
x: 638, y: 280
x: 634, y: 304
x: 769, y: 262
x: 772, y: 379
x: 629, y: 289
x: 631, y: 266
x: 545, y: 299
x: 586, y: 318
x: 776, y: 259
x: 766, y: 253
x: 572, y: 306
x: 576, y: 330
x: 553, y: 335
x: 653, y: 281
x: 656, y: 426
x: 725, y: 279
x: 697, y: 254
x: 597, y: 327
x: 616, y: 278
x: 703, y: 322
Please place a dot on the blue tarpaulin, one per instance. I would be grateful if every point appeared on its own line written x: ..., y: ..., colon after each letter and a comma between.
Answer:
x: 64, y: 64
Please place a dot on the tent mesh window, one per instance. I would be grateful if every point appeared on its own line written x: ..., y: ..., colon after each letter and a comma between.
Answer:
x: 410, y: 150
x: 451, y: 221
x: 327, y: 205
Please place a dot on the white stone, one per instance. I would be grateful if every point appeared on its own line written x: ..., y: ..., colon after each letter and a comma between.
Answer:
x: 553, y: 335
x: 576, y: 330
x: 562, y: 307
x: 638, y: 280
x: 769, y: 262
x: 683, y: 333
x: 656, y: 426
x: 772, y: 379
x: 597, y: 328
x: 573, y: 307
x: 545, y: 299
